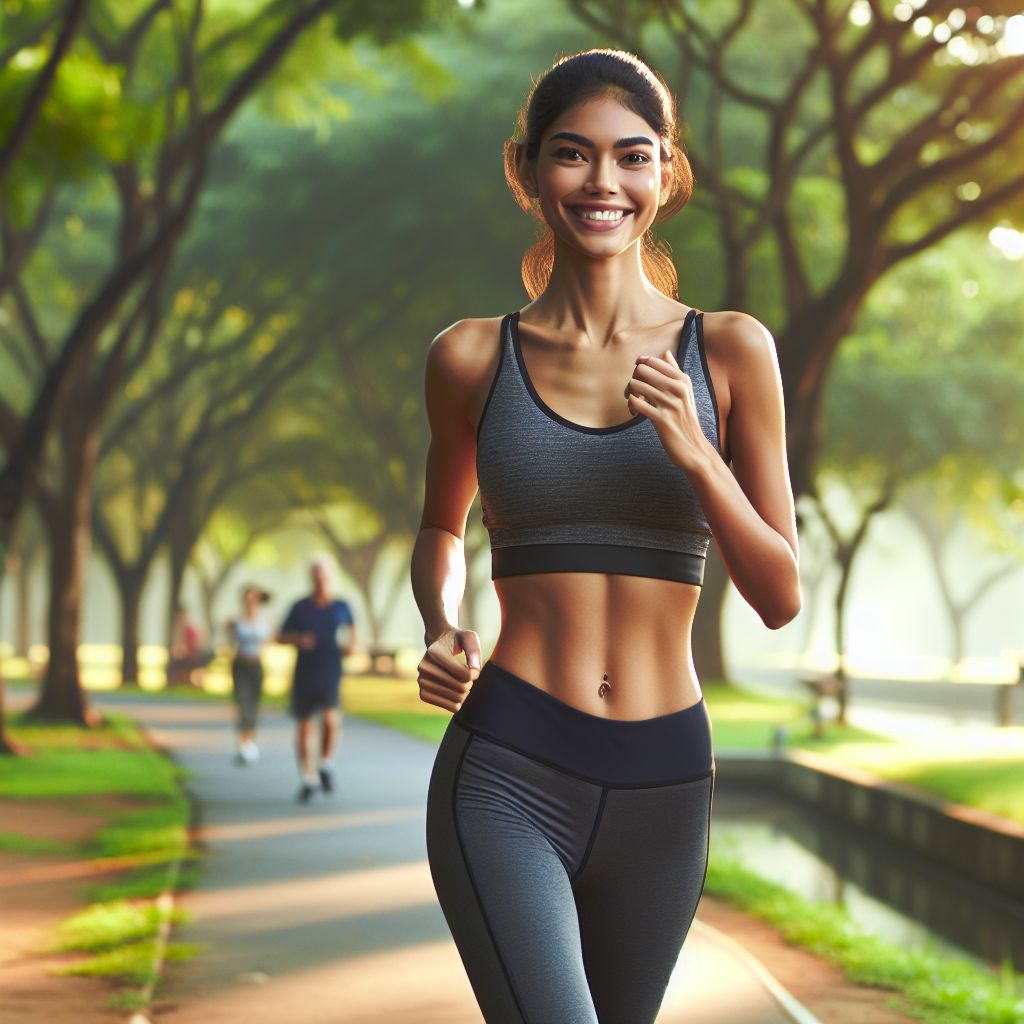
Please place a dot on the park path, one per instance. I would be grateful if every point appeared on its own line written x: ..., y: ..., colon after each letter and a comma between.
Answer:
x: 326, y: 914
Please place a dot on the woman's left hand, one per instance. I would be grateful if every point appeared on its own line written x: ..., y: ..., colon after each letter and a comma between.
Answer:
x: 661, y: 391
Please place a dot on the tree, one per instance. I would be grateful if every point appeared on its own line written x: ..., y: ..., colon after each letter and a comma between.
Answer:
x: 201, y: 71
x: 937, y: 523
x: 183, y: 443
x: 939, y: 407
x: 860, y: 138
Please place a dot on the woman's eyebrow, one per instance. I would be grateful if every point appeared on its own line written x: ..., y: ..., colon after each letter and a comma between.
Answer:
x: 582, y: 140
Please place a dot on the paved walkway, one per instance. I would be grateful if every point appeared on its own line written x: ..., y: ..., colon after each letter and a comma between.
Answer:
x: 325, y: 914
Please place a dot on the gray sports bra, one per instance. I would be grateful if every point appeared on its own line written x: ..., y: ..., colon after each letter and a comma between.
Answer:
x: 559, y: 496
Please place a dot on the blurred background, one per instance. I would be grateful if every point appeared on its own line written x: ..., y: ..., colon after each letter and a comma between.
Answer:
x: 229, y: 231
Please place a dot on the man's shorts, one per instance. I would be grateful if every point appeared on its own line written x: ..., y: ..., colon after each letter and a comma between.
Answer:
x: 307, y: 701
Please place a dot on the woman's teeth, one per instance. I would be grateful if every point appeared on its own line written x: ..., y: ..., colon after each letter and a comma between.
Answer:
x: 601, y: 214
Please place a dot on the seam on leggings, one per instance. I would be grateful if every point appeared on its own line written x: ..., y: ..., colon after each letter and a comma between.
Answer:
x: 593, y: 835
x: 472, y: 880
x: 604, y: 783
x: 707, y: 856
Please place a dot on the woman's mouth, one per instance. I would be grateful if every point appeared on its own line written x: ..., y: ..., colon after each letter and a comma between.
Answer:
x: 599, y: 218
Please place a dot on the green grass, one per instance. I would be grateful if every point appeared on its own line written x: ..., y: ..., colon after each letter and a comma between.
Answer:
x: 995, y: 785
x: 65, y: 762
x: 104, y: 926
x: 131, y: 964
x: 938, y: 988
x: 142, y: 883
x: 14, y: 842
x: 109, y: 771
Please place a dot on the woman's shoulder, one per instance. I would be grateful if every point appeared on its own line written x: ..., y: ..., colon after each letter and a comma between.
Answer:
x: 736, y: 334
x: 739, y: 343
x: 466, y: 350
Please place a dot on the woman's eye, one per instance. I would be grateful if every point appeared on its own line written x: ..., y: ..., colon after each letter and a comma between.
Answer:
x: 567, y: 153
x: 640, y: 158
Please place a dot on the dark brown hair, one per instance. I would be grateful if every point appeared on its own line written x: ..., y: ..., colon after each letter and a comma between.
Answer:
x: 572, y: 80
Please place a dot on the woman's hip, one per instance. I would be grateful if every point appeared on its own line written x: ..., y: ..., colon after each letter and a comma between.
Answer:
x: 506, y: 709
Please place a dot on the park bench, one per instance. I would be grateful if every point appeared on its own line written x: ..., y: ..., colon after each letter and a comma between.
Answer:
x: 821, y: 687
x: 382, y: 659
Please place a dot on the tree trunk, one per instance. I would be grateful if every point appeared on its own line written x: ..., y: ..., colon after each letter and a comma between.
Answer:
x: 209, y: 589
x: 806, y: 349
x: 957, y: 617
x: 6, y: 746
x: 130, y: 588
x: 845, y: 559
x: 179, y: 563
x: 69, y: 521
x: 373, y: 619
x: 708, y: 654
x: 22, y: 628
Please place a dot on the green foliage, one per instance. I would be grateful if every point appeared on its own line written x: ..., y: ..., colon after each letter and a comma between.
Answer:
x: 939, y: 988
x: 104, y: 926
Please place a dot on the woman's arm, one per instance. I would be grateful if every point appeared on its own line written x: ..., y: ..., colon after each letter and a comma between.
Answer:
x: 438, y: 558
x: 750, y: 510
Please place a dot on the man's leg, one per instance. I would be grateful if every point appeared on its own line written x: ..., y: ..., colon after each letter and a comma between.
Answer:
x: 304, y: 753
x: 330, y: 734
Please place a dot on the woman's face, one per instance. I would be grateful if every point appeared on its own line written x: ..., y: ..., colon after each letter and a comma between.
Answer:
x: 598, y: 174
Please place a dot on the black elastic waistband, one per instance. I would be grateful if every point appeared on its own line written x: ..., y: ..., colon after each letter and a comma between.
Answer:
x: 659, y: 563
x: 646, y: 752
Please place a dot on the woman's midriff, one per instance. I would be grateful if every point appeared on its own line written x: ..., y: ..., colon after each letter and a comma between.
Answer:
x: 610, y: 645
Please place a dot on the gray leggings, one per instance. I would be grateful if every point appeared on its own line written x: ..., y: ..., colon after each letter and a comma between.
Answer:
x: 568, y: 851
x: 247, y: 677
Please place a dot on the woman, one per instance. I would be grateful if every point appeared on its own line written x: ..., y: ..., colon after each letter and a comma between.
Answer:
x: 249, y: 633
x: 568, y: 811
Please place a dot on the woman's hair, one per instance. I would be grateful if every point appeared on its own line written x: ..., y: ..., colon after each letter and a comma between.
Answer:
x: 263, y: 595
x: 572, y: 80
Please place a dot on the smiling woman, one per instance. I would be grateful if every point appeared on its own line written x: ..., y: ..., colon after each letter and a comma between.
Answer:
x: 616, y: 75
x: 569, y: 805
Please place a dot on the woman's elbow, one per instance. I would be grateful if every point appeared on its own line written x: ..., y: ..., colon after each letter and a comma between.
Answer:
x: 784, y: 609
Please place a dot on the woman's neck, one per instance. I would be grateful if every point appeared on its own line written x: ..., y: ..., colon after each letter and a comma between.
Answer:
x: 597, y: 296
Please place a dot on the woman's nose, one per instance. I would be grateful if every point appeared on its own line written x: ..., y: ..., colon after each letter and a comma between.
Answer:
x: 602, y: 178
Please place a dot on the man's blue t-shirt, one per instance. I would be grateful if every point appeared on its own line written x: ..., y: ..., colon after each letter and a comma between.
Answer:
x: 320, y: 668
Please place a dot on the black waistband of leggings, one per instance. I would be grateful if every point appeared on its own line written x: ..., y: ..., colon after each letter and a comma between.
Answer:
x: 657, y: 751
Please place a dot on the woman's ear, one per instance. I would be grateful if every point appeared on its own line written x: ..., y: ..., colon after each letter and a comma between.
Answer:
x: 526, y: 171
x: 667, y: 182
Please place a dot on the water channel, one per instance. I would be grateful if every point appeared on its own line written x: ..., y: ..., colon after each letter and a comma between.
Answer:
x: 893, y: 893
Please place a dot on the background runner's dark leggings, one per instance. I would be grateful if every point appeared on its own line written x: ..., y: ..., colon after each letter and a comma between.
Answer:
x: 568, y: 851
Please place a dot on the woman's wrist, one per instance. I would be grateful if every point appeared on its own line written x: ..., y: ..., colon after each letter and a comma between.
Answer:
x: 430, y: 635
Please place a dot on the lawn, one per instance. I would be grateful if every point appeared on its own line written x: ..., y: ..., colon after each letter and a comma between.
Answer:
x: 109, y: 770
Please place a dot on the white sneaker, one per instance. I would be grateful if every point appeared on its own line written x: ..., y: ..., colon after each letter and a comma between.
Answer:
x: 249, y: 752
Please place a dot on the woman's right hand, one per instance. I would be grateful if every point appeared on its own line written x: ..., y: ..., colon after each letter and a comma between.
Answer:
x: 445, y: 680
